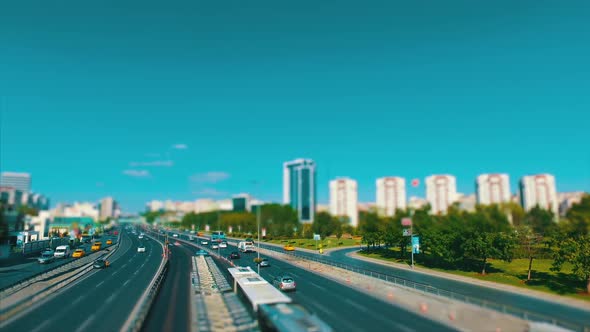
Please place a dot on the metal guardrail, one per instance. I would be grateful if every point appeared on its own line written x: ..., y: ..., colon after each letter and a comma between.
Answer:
x: 431, y: 290
x: 20, y: 284
x: 143, y: 306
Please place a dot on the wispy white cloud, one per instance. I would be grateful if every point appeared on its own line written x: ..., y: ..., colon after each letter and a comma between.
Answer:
x: 180, y: 146
x: 155, y: 163
x: 209, y: 177
x: 209, y: 192
x: 137, y: 173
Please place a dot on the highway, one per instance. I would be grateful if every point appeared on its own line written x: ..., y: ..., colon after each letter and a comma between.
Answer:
x: 102, y: 300
x: 171, y: 309
x: 12, y: 274
x: 565, y: 313
x: 342, y: 307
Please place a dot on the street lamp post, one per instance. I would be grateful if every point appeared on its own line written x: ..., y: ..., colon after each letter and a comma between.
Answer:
x: 258, y: 223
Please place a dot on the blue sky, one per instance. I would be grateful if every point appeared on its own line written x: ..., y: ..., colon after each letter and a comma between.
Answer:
x: 189, y: 99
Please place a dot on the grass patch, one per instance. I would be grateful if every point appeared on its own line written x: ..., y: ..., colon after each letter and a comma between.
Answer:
x: 513, y: 273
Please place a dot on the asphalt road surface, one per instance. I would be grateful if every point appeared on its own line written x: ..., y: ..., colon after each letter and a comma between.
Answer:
x: 103, y: 299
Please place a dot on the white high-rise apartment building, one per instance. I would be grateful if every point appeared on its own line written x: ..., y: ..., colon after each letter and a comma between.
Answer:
x: 153, y: 206
x: 391, y: 195
x: 18, y: 181
x: 441, y: 192
x: 107, y: 208
x: 492, y: 189
x: 539, y: 190
x: 344, y: 199
x: 299, y: 188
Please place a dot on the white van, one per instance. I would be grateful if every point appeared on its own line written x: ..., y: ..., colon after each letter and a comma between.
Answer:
x: 246, y: 246
x: 62, y: 252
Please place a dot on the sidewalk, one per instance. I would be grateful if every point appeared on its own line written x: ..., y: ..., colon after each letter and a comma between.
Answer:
x: 508, y: 288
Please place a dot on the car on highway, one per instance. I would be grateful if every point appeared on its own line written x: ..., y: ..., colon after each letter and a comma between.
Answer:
x: 140, y: 236
x: 201, y: 252
x: 284, y: 283
x: 204, y: 242
x: 264, y: 262
x: 214, y: 246
x: 46, y: 257
x: 174, y: 235
x: 176, y: 243
x: 109, y: 242
x: 96, y: 246
x: 234, y: 255
x: 141, y: 248
x: 223, y: 244
x: 100, y: 264
x: 289, y: 247
x: 62, y: 252
x: 78, y: 253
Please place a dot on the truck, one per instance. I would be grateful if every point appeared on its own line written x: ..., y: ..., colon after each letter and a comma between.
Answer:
x: 246, y: 246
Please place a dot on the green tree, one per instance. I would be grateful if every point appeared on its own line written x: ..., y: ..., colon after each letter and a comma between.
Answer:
x: 575, y: 251
x: 323, y: 224
x: 531, y: 243
x: 579, y: 217
x: 370, y: 228
x: 540, y: 220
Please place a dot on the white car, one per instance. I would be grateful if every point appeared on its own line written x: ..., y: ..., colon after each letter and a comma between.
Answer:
x: 204, y: 242
x: 141, y: 249
x: 223, y: 245
x: 214, y: 246
x: 141, y: 236
x: 175, y: 235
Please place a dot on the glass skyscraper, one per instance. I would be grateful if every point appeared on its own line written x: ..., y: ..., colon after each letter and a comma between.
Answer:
x: 299, y: 187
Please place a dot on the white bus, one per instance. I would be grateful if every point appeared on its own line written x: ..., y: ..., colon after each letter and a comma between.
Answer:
x: 274, y: 310
x: 254, y: 288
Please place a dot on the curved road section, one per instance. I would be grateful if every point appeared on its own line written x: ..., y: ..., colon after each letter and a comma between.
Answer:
x: 102, y: 300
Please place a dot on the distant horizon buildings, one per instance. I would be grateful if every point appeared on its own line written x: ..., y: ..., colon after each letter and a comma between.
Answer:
x: 492, y: 189
x: 344, y: 199
x: 391, y: 195
x: 299, y: 188
x: 107, y: 208
x: 441, y: 192
x: 18, y: 181
x: 539, y: 189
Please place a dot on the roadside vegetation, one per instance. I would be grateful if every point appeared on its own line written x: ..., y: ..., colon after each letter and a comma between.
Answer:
x: 499, y: 243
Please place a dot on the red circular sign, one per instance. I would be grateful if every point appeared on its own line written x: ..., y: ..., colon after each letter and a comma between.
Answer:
x: 415, y: 182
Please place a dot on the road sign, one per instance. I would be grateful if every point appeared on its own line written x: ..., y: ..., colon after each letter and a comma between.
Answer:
x: 415, y: 183
x: 317, y: 237
x: 406, y: 221
x: 263, y: 232
x: 416, y: 244
x: 406, y: 232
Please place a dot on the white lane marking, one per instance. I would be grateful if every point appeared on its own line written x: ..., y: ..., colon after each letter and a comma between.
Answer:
x: 100, y: 283
x: 318, y: 286
x: 135, y: 273
x: 110, y: 298
x: 123, y: 266
x: 86, y: 323
x: 126, y: 282
x: 115, y: 272
x: 77, y: 300
x: 378, y: 317
x: 356, y: 305
x: 42, y: 325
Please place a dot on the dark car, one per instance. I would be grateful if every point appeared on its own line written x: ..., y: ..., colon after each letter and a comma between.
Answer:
x: 234, y: 255
x: 264, y: 262
x: 100, y: 264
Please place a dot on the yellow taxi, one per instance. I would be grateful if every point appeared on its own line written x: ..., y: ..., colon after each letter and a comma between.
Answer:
x: 96, y: 246
x: 78, y: 253
x: 289, y: 247
x: 109, y: 242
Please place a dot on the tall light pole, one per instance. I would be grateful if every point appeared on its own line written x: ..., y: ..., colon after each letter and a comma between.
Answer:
x: 258, y: 223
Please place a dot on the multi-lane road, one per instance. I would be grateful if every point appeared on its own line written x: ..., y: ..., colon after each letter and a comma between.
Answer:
x: 343, y: 308
x: 102, y: 300
x: 171, y: 309
x: 567, y: 314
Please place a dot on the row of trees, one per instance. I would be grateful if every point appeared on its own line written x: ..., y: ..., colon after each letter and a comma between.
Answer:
x: 467, y: 240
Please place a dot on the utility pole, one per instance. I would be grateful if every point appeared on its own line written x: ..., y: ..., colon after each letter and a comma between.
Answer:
x: 258, y: 223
